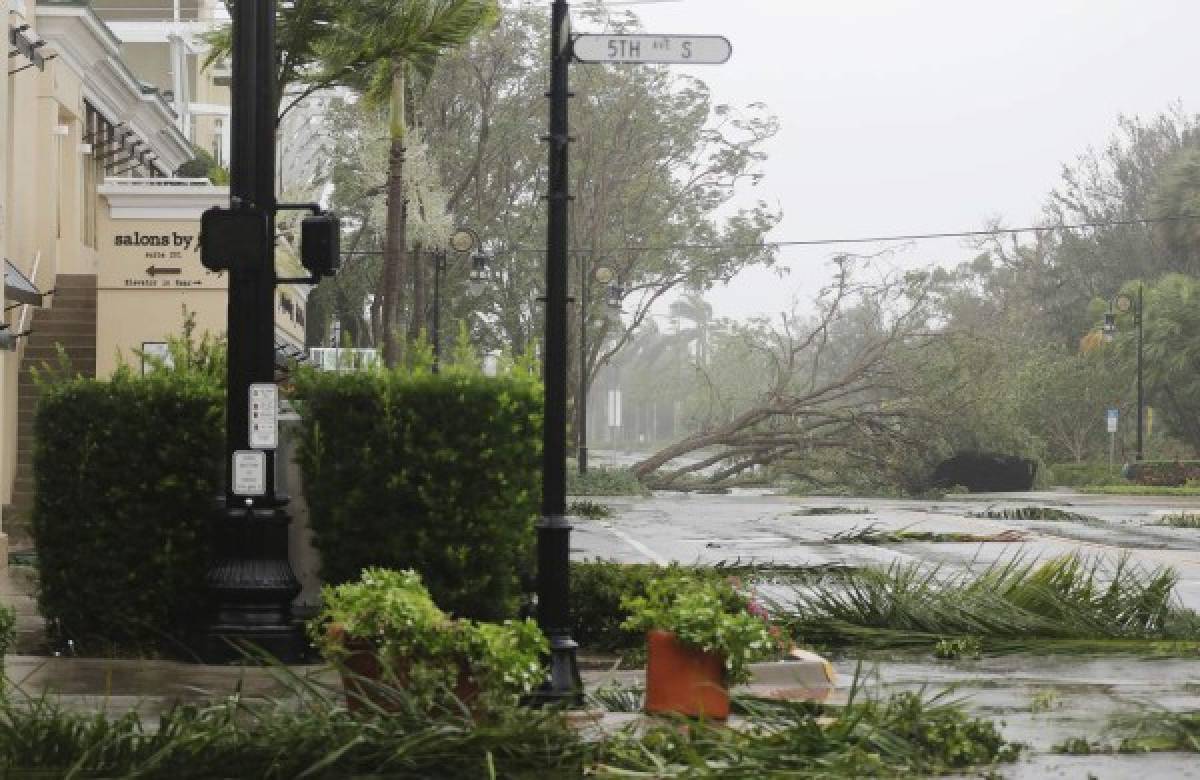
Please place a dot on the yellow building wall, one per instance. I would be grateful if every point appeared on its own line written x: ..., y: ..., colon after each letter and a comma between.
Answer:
x: 148, y: 271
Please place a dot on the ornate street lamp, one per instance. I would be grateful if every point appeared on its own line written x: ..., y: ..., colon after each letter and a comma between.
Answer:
x: 463, y: 240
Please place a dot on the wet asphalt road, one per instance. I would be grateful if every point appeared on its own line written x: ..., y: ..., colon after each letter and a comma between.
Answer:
x: 1039, y: 699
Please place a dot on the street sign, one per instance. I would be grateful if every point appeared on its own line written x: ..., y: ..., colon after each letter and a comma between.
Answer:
x: 652, y: 49
x: 1112, y: 417
x: 249, y: 473
x: 264, y: 425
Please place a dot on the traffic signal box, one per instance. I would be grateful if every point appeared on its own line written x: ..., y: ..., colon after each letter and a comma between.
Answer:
x: 229, y: 236
x: 320, y: 244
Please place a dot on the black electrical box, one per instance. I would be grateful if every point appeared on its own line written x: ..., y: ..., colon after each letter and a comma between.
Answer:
x: 321, y: 244
x: 235, y: 236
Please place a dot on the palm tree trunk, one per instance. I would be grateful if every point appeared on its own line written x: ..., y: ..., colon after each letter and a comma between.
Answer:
x: 395, y: 254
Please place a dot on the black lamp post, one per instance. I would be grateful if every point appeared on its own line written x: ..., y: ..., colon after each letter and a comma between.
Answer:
x: 462, y: 241
x: 1125, y: 303
x: 563, y: 683
x: 250, y: 582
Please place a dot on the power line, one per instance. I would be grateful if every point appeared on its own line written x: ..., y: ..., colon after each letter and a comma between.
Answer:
x: 863, y: 239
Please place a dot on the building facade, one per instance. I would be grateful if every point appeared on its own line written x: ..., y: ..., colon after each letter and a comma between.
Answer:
x: 100, y: 239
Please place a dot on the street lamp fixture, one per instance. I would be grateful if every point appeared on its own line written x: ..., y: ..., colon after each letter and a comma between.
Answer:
x: 1110, y: 326
x: 479, y: 273
x: 616, y: 293
x: 462, y: 241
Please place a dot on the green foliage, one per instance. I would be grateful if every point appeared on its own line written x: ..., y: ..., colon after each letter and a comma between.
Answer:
x: 1149, y: 731
x: 1164, y: 473
x: 125, y: 473
x: 1043, y: 513
x: 394, y: 613
x: 603, y: 481
x: 598, y: 592
x: 1079, y: 474
x: 1180, y: 520
x: 1068, y: 598
x: 308, y: 734
x: 903, y: 735
x: 436, y: 473
x: 1143, y: 490
x: 305, y: 734
x: 706, y: 613
x: 959, y: 648
x: 592, y: 510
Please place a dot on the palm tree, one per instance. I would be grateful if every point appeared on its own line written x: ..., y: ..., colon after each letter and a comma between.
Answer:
x: 378, y: 46
x: 693, y: 308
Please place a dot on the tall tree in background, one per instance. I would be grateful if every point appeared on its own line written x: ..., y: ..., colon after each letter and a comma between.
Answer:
x: 379, y: 46
x: 656, y: 173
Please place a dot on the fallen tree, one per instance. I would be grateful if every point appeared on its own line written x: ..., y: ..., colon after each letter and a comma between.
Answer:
x: 830, y: 383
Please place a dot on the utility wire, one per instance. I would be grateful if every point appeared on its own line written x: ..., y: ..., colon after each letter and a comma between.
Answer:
x: 864, y: 239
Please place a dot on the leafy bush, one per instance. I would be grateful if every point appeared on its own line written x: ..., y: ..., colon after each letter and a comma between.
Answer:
x: 602, y: 481
x: 904, y: 735
x: 439, y: 473
x: 598, y: 589
x: 125, y: 473
x: 392, y: 612
x: 1164, y: 473
x: 1013, y: 602
x: 711, y: 615
x: 305, y: 734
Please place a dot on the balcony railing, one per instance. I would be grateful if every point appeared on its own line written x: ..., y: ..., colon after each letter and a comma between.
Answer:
x: 338, y: 359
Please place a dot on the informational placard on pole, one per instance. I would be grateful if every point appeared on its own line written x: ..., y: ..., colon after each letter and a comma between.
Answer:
x: 264, y: 416
x: 249, y: 473
x: 1112, y: 416
x: 652, y: 49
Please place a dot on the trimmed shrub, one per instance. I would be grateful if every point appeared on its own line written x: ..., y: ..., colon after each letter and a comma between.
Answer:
x: 604, y: 481
x: 1081, y: 474
x: 434, y: 472
x: 125, y: 474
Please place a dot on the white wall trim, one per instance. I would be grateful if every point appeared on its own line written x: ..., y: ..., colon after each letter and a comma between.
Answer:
x: 146, y: 199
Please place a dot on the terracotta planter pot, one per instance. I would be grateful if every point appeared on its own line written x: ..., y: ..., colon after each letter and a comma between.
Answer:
x: 365, y: 668
x: 684, y: 680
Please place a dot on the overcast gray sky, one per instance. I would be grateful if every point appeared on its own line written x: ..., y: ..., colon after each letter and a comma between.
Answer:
x: 902, y: 116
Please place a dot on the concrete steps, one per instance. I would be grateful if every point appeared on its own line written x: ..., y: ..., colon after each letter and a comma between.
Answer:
x: 69, y: 325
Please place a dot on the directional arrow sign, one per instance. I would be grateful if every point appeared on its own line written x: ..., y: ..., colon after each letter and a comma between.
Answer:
x: 653, y: 49
x: 154, y: 270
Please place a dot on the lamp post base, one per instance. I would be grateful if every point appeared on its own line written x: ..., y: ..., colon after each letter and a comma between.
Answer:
x: 563, y: 686
x: 251, y: 586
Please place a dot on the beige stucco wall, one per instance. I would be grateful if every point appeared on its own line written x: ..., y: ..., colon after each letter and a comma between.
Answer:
x: 135, y: 305
x: 40, y: 200
x: 138, y: 298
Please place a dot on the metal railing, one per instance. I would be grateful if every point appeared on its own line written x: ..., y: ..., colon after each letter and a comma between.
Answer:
x: 338, y: 359
x: 158, y: 182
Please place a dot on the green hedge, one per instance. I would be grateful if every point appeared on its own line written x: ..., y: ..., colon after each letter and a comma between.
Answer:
x: 1081, y: 474
x: 125, y: 474
x: 438, y: 473
x: 1171, y: 473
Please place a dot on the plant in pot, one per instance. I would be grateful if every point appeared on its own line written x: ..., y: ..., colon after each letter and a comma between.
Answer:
x: 386, y: 633
x: 701, y: 634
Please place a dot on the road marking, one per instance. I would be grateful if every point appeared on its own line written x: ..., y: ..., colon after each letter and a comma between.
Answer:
x: 635, y: 544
